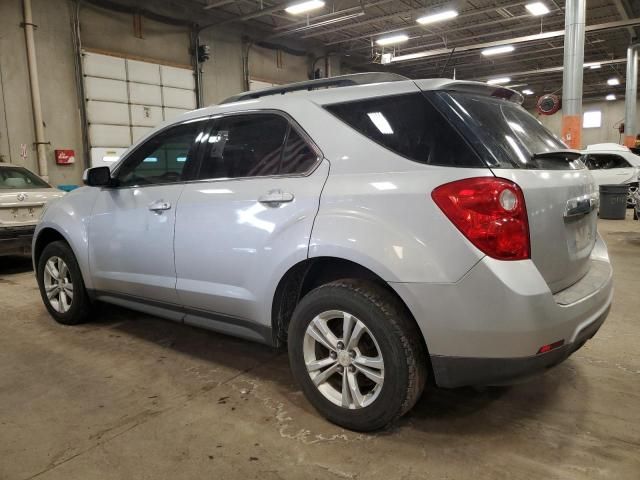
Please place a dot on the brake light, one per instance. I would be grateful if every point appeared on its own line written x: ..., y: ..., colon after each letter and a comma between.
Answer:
x: 490, y: 212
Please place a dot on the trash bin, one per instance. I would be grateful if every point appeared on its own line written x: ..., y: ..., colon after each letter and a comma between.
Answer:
x: 613, y: 201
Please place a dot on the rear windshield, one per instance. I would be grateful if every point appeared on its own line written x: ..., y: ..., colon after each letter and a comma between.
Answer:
x: 409, y: 125
x: 504, y: 133
x: 18, y: 178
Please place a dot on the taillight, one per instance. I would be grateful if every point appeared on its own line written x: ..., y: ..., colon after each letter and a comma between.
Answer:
x: 490, y: 212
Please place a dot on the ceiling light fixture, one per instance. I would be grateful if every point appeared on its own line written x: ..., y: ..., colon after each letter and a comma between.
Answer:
x: 527, y: 91
x: 537, y: 8
x: 487, y: 52
x: 302, y: 7
x: 592, y: 65
x: 611, y: 96
x: 437, y: 17
x: 497, y: 81
x: 392, y: 39
x: 613, y: 81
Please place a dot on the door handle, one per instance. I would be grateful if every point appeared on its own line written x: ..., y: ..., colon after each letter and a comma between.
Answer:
x: 159, y: 206
x: 276, y: 197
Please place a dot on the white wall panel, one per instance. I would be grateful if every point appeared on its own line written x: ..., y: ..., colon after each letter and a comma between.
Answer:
x: 96, y: 65
x: 177, y: 77
x: 171, y: 113
x: 143, y: 72
x: 139, y: 132
x: 179, y: 98
x: 109, y: 136
x: 107, y: 112
x: 105, y: 157
x: 143, y: 94
x: 103, y: 89
x: 145, y: 115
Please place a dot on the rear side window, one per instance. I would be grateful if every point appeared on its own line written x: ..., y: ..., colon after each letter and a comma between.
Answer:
x: 605, y: 162
x: 244, y: 146
x: 410, y: 126
x: 298, y: 156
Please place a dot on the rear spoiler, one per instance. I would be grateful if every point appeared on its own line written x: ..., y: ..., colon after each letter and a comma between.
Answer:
x: 476, y: 88
x: 564, y: 152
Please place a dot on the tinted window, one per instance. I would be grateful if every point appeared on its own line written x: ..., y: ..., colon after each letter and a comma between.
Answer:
x: 166, y: 158
x: 244, y: 146
x: 410, y: 126
x: 18, y: 178
x: 298, y: 156
x: 605, y: 162
x: 506, y: 134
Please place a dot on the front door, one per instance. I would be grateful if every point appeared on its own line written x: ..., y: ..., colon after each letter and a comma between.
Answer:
x: 132, y: 226
x: 246, y: 221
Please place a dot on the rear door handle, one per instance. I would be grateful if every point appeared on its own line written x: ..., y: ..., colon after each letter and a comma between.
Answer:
x: 159, y: 206
x: 276, y: 197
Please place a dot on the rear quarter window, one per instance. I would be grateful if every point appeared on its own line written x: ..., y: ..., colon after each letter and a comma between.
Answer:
x: 408, y: 125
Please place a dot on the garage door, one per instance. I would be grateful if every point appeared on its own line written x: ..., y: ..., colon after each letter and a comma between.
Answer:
x: 125, y: 98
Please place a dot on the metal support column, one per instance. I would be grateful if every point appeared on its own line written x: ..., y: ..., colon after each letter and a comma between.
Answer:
x: 574, y: 25
x: 631, y: 96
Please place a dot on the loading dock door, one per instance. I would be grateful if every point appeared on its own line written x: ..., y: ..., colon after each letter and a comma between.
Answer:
x: 126, y: 98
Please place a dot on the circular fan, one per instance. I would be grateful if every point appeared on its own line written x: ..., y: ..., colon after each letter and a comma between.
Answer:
x: 548, y: 104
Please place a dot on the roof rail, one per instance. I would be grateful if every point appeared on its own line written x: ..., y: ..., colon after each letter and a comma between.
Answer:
x: 340, y: 81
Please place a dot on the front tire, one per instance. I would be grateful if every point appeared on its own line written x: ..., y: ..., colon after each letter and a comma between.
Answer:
x: 61, y: 285
x: 357, y: 354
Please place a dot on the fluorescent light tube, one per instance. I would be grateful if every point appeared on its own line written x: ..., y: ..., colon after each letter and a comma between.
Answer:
x: 611, y: 96
x: 497, y: 81
x: 437, y: 17
x: 613, y: 81
x: 498, y: 50
x: 537, y: 8
x: 393, y: 39
x: 527, y: 91
x: 302, y: 7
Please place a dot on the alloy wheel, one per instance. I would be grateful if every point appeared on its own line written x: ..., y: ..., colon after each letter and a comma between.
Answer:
x: 343, y: 359
x: 58, y: 284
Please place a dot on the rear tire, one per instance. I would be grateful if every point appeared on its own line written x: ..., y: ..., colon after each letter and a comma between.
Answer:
x: 383, y: 357
x: 61, y: 284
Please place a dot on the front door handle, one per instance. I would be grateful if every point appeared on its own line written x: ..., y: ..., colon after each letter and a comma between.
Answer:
x: 159, y: 206
x: 276, y: 197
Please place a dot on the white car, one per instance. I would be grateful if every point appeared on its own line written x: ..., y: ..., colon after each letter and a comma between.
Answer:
x: 23, y: 195
x: 613, y: 164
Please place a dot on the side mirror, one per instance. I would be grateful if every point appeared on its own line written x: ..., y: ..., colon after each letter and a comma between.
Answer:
x: 97, y: 177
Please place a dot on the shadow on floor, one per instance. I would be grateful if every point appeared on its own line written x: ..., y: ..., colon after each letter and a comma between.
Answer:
x: 457, y: 411
x: 15, y: 264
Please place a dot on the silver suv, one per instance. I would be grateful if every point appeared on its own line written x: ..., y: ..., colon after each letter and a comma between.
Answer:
x: 389, y: 231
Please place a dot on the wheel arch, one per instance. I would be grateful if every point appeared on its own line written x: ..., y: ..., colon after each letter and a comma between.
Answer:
x: 310, y: 273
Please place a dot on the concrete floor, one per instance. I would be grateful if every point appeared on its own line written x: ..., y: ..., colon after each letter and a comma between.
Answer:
x: 130, y: 396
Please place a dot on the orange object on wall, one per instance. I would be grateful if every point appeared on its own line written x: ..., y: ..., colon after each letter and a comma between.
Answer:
x: 571, y: 131
x: 629, y: 141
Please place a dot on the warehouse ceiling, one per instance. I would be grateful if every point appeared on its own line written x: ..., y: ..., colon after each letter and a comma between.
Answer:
x: 350, y: 28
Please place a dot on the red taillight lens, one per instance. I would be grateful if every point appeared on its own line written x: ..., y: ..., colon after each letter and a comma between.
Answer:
x: 490, y: 212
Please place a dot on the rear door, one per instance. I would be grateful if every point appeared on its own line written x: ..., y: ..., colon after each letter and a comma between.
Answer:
x: 560, y: 193
x: 246, y: 221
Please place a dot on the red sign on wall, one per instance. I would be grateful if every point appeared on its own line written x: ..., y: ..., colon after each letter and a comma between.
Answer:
x: 65, y: 157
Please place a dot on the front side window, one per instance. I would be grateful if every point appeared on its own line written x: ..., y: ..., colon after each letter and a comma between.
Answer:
x: 168, y: 157
x: 18, y: 178
x: 248, y: 145
x: 410, y: 126
x: 606, y: 162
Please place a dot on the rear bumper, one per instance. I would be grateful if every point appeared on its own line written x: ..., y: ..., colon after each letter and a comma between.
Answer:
x: 16, y: 240
x: 454, y: 372
x: 488, y: 327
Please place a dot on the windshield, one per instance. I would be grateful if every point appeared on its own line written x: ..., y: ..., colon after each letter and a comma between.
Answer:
x: 505, y: 134
x: 18, y: 178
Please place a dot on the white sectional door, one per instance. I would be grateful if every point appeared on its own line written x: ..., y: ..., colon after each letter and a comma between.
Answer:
x: 126, y: 98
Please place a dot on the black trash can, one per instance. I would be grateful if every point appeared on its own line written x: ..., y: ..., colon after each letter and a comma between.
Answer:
x: 613, y: 201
